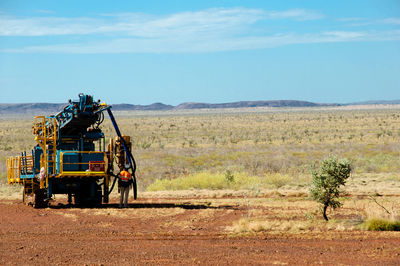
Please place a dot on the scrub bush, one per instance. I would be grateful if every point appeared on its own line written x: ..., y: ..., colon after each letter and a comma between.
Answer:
x: 326, y: 182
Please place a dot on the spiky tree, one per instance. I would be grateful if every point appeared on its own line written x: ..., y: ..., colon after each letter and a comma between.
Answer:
x: 327, y: 180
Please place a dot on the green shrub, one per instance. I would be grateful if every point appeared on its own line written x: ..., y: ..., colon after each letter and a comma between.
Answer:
x: 230, y: 178
x: 326, y: 182
x: 382, y: 225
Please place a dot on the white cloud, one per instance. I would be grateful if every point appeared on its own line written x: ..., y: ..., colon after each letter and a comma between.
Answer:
x: 143, y: 25
x: 298, y: 14
x: 210, y: 30
x: 205, y: 44
x: 45, y: 26
x: 345, y: 35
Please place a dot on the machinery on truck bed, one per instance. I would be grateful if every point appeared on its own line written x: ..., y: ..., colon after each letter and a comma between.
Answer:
x: 71, y: 157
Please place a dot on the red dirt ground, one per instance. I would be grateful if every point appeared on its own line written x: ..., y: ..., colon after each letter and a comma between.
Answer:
x: 63, y: 235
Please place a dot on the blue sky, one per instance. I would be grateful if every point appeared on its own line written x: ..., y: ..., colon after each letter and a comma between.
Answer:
x: 142, y: 52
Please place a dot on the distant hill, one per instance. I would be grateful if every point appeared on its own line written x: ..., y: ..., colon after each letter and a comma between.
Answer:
x: 375, y: 102
x: 30, y: 108
x: 154, y: 106
x: 246, y: 104
x: 53, y: 108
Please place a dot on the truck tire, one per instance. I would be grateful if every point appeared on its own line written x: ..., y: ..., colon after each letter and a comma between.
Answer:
x: 39, y: 199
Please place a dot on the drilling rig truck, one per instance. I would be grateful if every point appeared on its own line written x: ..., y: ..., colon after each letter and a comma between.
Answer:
x: 71, y: 157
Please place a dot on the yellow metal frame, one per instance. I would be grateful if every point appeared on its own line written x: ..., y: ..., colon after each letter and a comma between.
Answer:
x: 63, y: 173
x: 14, y: 170
x: 15, y: 165
x: 45, y: 130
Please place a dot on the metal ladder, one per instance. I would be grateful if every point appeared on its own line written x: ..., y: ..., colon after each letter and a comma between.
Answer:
x: 28, y: 189
x: 45, y: 129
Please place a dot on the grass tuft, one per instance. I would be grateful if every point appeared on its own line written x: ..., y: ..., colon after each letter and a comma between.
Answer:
x: 376, y: 224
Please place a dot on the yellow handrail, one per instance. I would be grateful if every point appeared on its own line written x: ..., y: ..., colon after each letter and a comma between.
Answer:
x: 80, y: 173
x: 14, y: 169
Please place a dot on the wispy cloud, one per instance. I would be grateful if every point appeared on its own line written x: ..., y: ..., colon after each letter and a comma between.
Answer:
x: 44, y: 11
x: 356, y: 22
x: 394, y: 21
x: 297, y: 14
x: 200, y: 45
x: 137, y: 24
x: 210, y: 30
x: 48, y: 26
x: 352, y: 19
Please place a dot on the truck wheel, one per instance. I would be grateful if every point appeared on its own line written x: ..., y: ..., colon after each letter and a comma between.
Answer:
x: 39, y: 199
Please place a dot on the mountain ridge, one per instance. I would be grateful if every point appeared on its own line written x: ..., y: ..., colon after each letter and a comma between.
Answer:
x: 39, y: 108
x: 375, y: 102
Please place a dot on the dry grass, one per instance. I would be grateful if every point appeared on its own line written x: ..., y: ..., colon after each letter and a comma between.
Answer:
x: 190, y: 221
x: 246, y: 226
x: 12, y: 192
x: 296, y: 215
x: 105, y: 224
x: 68, y: 215
x: 133, y: 213
x: 376, y: 207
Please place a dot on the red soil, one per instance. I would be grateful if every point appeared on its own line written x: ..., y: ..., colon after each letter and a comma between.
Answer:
x: 63, y: 235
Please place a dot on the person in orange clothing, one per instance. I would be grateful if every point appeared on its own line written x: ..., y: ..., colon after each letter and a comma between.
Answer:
x: 124, y: 183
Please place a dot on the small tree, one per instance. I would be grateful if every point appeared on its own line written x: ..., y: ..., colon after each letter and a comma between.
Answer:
x: 326, y: 182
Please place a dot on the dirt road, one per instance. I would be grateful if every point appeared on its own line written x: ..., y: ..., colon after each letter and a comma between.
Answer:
x: 158, y: 231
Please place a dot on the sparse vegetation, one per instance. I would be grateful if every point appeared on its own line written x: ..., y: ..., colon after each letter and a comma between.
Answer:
x: 227, y: 180
x: 273, y: 147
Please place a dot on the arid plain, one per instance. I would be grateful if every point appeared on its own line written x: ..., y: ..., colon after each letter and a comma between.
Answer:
x: 222, y: 187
